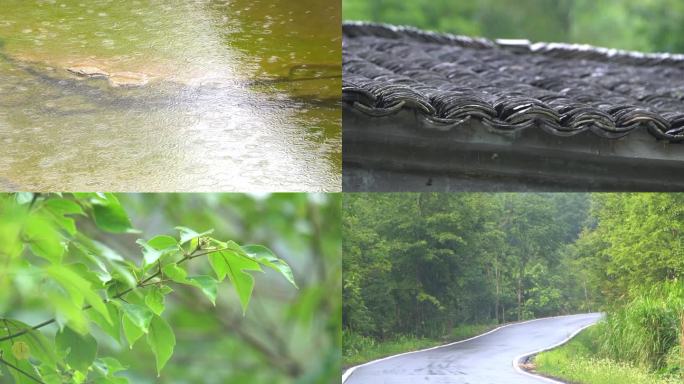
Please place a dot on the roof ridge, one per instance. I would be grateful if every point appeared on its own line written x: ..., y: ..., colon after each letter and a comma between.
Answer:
x: 553, y: 49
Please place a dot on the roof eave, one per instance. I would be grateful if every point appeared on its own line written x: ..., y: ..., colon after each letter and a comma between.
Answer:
x: 530, y: 158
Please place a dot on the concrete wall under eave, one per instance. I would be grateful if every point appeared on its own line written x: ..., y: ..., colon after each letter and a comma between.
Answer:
x: 400, y: 153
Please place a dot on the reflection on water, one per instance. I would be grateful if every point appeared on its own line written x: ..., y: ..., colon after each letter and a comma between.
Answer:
x: 242, y: 95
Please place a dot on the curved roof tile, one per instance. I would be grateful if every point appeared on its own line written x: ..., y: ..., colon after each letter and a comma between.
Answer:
x: 510, y: 85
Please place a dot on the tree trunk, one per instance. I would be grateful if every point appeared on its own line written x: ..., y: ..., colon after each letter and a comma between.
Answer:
x: 519, y: 289
x: 497, y: 302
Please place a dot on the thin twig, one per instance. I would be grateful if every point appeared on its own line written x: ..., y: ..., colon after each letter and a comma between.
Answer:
x: 7, y: 363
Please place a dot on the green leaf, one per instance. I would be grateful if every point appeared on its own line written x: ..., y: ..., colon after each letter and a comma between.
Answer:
x: 187, y: 234
x: 44, y: 239
x: 107, y: 252
x: 150, y: 254
x: 218, y: 264
x: 110, y: 216
x: 131, y: 331
x: 104, y: 369
x: 49, y: 377
x: 157, y: 247
x: 58, y: 208
x: 111, y: 380
x: 87, y: 274
x: 163, y: 242
x: 78, y: 288
x: 81, y: 349
x: 25, y: 365
x: 12, y: 218
x: 162, y: 341
x: 207, y: 284
x: 175, y: 273
x: 112, y: 328
x: 21, y: 350
x: 266, y: 257
x: 138, y: 315
x: 40, y: 346
x: 68, y: 312
x: 155, y: 300
x: 113, y: 365
x: 242, y: 281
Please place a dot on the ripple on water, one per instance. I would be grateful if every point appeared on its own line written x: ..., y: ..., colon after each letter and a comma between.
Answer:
x: 216, y: 134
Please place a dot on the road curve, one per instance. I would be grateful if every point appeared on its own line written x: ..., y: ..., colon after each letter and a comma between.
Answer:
x: 485, y: 359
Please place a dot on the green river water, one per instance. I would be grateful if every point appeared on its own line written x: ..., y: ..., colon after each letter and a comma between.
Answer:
x: 237, y: 95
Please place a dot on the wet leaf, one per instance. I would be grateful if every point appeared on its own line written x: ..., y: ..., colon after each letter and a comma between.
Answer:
x: 207, y: 284
x: 187, y: 234
x: 81, y: 349
x: 266, y: 257
x: 21, y: 350
x: 161, y: 340
x: 44, y: 239
x: 110, y: 216
x: 154, y: 300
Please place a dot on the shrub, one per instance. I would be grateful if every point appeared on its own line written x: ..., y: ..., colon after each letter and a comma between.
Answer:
x: 646, y: 330
x: 354, y: 343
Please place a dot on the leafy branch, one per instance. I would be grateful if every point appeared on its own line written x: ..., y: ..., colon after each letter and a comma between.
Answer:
x: 140, y: 284
x: 134, y: 295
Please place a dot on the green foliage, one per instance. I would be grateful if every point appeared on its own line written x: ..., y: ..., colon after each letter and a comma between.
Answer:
x: 20, y: 350
x: 578, y: 362
x: 108, y: 213
x: 635, y: 244
x: 161, y: 340
x: 418, y: 264
x: 626, y: 24
x: 423, y: 264
x: 80, y: 350
x: 647, y: 331
x: 49, y: 259
x: 631, y: 255
x: 232, y: 261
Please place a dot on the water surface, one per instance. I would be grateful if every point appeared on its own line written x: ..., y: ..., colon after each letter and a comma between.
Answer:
x: 237, y: 95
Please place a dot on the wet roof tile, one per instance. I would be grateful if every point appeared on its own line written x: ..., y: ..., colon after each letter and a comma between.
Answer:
x: 511, y: 85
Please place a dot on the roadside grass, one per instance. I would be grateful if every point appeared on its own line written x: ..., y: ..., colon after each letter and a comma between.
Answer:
x: 360, y: 349
x: 577, y: 362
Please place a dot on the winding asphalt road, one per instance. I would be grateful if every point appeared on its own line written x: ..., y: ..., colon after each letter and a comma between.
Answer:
x: 486, y: 359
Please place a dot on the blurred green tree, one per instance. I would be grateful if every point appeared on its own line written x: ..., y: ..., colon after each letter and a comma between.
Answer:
x: 647, y: 25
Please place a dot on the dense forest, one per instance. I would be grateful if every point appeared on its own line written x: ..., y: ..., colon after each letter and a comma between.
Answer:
x: 423, y: 264
x: 646, y: 25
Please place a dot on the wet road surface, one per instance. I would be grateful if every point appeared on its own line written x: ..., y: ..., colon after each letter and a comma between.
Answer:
x: 483, y: 360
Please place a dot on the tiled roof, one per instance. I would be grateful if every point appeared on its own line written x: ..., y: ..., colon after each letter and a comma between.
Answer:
x: 511, y: 85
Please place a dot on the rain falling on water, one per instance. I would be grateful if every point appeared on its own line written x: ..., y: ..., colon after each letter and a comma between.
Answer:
x: 170, y: 95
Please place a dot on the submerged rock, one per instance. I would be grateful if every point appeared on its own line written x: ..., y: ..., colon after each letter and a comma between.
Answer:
x: 88, y: 71
x: 115, y: 79
x: 128, y: 79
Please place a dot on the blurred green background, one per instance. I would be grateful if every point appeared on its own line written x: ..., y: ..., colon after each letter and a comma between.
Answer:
x: 645, y: 25
x: 287, y: 335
